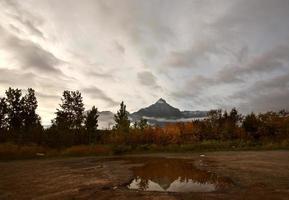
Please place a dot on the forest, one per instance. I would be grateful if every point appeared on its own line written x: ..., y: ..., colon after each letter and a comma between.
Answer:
x: 73, y: 127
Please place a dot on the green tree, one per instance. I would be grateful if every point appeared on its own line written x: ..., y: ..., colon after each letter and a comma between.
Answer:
x: 251, y: 125
x: 30, y: 117
x: 3, y: 114
x: 70, y: 115
x: 230, y: 124
x: 235, y: 117
x: 91, y: 124
x: 142, y: 124
x: 121, y: 119
x: 15, y: 107
x: 213, y: 124
x: 135, y: 125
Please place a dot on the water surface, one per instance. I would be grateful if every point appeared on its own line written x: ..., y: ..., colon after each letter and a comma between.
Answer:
x: 175, y: 175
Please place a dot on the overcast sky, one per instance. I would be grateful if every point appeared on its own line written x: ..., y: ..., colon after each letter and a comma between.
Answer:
x: 196, y: 54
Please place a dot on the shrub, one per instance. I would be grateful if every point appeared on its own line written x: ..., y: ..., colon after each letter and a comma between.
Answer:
x: 121, y: 149
x: 13, y: 151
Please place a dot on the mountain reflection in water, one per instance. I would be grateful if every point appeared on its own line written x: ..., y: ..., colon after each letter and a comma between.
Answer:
x: 175, y: 175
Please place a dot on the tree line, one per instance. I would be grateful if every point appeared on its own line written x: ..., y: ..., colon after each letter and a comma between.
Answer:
x: 72, y: 125
x: 19, y: 123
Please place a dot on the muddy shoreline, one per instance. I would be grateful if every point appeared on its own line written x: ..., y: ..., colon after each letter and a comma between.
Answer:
x: 256, y: 175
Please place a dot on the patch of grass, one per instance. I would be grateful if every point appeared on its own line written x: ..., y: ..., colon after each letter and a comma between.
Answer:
x: 10, y: 151
x: 87, y: 150
x: 13, y: 151
x: 122, y: 149
x: 209, y: 145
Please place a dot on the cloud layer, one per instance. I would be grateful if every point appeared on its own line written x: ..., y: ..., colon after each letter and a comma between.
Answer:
x: 198, y: 54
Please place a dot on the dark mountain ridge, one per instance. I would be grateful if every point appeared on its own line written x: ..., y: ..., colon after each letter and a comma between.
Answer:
x: 159, y: 109
x: 162, y: 111
x: 159, y: 113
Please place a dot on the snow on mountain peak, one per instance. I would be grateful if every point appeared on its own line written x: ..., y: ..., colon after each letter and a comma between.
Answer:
x: 161, y: 100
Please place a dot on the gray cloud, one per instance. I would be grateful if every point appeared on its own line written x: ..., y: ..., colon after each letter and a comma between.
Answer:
x: 120, y: 48
x: 99, y: 75
x: 271, y: 94
x: 97, y: 71
x: 148, y: 79
x: 24, y: 18
x: 274, y: 60
x: 194, y: 87
x: 248, y: 14
x: 10, y: 77
x: 47, y: 96
x: 191, y: 57
x: 28, y: 54
x: 99, y: 94
x: 205, y: 53
x: 28, y: 25
x: 267, y: 62
x: 272, y: 101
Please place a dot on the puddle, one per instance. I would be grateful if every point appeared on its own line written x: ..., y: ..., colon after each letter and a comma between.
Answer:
x: 175, y: 175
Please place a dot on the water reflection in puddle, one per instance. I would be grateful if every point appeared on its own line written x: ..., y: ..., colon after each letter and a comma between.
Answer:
x: 175, y: 175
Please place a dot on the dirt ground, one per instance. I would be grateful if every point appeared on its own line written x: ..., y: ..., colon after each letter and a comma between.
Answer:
x: 257, y: 175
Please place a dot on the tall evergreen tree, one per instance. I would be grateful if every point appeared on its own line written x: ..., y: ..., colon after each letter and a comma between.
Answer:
x: 121, y: 119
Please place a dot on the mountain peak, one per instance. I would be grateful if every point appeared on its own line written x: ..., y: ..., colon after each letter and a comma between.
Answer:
x: 161, y: 100
x: 161, y: 110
